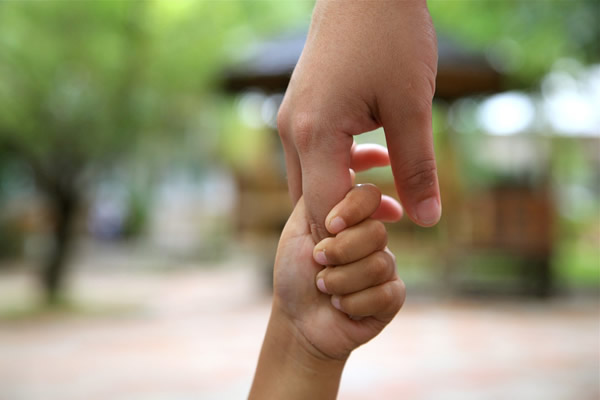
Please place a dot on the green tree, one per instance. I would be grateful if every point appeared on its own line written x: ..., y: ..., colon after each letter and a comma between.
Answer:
x: 523, y: 38
x: 83, y: 84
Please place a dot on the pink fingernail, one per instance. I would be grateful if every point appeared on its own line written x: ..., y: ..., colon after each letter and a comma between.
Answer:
x: 337, y: 225
x: 335, y: 301
x: 321, y: 285
x: 429, y: 211
x: 321, y: 258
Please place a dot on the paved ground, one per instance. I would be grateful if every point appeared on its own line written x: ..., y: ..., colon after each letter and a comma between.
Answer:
x: 196, y: 334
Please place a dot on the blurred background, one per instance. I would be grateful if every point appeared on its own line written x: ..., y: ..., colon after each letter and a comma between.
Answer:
x: 142, y: 193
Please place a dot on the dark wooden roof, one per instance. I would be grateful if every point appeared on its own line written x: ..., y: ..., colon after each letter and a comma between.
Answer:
x: 268, y: 66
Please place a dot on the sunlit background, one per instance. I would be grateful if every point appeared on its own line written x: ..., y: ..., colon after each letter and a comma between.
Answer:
x: 142, y: 192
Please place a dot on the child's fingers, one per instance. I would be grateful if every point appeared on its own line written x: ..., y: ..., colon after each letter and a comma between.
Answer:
x: 372, y: 270
x: 381, y: 302
x: 352, y: 244
x: 360, y: 202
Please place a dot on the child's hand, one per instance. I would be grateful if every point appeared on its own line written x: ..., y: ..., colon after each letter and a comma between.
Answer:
x: 335, y: 309
x: 312, y: 331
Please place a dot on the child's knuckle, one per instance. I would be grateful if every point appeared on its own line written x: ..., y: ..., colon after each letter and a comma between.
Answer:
x: 386, y: 296
x: 372, y: 196
x: 347, y: 304
x: 351, y: 212
x: 379, y: 234
x: 397, y: 291
x: 333, y: 282
x: 380, y: 266
x: 402, y: 293
x: 333, y: 255
x: 338, y: 252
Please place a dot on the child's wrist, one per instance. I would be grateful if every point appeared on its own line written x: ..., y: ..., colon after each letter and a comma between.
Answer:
x: 281, y: 325
x: 299, y: 370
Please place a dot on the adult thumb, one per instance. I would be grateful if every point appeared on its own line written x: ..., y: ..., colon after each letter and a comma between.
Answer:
x: 408, y: 131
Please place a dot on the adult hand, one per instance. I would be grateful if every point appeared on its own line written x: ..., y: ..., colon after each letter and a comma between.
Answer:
x: 365, y: 64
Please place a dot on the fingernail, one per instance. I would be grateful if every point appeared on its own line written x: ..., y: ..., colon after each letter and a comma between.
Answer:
x: 337, y: 225
x: 321, y: 258
x: 335, y: 301
x: 321, y: 285
x: 429, y: 211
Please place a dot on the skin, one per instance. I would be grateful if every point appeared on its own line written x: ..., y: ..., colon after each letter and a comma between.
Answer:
x: 366, y: 64
x: 328, y: 299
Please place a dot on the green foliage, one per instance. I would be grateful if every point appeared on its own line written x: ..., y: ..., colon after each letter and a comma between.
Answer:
x: 10, y: 240
x: 523, y: 37
x: 66, y: 78
x: 90, y: 87
x: 84, y: 83
x: 578, y: 263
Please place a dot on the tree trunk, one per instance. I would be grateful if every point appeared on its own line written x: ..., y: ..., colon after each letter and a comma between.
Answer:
x: 59, y: 180
x: 64, y: 204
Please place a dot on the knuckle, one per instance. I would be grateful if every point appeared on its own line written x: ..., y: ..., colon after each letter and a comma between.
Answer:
x: 336, y: 253
x: 417, y: 104
x: 420, y: 107
x: 402, y: 287
x: 350, y: 208
x: 333, y: 283
x: 368, y: 196
x: 386, y: 296
x: 397, y: 292
x: 347, y: 304
x: 372, y: 192
x: 420, y: 176
x: 427, y: 85
x: 379, y: 234
x: 303, y: 132
x: 282, y: 122
x: 380, y: 268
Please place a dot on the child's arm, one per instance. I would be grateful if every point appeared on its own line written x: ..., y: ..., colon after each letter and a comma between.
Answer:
x: 310, y: 333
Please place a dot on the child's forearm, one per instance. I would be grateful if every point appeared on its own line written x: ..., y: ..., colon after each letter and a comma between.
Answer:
x: 290, y: 368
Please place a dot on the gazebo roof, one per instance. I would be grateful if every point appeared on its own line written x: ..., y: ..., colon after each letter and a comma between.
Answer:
x: 268, y: 66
